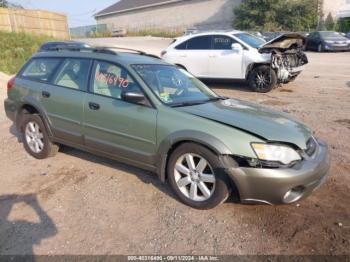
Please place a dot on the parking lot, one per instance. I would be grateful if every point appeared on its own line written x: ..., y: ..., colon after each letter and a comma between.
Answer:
x: 78, y: 203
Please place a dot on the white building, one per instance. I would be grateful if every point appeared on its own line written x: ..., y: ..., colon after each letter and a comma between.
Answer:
x: 178, y: 15
x: 174, y: 15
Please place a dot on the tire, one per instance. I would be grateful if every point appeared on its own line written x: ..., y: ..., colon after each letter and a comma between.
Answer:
x: 216, y: 182
x: 32, y: 130
x: 260, y: 74
x: 320, y: 48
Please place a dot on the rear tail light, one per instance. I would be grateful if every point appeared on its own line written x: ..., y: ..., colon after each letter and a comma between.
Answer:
x: 11, y: 83
x: 163, y: 53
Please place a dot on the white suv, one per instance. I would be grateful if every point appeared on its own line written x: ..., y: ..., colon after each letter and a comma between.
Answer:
x: 239, y: 55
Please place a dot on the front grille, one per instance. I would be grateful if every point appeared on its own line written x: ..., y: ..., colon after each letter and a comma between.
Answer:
x: 311, y: 146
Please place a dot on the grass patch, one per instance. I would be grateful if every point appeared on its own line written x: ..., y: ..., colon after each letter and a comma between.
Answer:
x: 155, y: 33
x: 17, y: 48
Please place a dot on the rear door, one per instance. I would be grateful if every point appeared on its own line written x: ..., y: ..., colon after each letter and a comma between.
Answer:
x: 194, y: 55
x: 225, y: 62
x: 113, y: 126
x: 63, y: 98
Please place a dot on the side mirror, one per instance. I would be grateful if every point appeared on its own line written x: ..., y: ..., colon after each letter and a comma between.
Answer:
x: 236, y: 47
x: 132, y: 97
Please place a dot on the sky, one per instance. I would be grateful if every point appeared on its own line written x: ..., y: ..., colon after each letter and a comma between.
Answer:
x: 79, y: 12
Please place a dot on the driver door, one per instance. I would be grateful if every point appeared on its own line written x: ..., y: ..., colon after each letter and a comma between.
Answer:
x: 116, y: 127
x: 225, y: 62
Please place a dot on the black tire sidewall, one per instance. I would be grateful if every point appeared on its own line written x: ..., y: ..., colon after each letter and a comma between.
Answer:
x: 318, y: 48
x: 252, y: 77
x: 222, y: 189
x: 46, y: 152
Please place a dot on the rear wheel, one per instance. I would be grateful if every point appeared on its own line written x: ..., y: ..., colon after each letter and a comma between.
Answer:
x: 35, y: 139
x: 262, y: 79
x: 196, y: 176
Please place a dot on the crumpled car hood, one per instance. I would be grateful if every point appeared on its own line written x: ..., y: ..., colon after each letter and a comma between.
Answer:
x: 285, y: 42
x: 263, y: 122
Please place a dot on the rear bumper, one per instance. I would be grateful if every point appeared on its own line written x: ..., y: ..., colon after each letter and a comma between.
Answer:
x: 282, y: 186
x: 10, y: 109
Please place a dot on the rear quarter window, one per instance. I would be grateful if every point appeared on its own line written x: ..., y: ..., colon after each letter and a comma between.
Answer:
x: 41, y: 69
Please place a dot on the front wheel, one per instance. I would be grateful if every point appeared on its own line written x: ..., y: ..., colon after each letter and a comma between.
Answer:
x: 196, y: 176
x: 262, y: 79
x: 320, y: 48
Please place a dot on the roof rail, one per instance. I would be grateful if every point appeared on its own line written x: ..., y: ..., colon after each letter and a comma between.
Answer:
x: 100, y: 49
x: 79, y: 49
x: 140, y: 52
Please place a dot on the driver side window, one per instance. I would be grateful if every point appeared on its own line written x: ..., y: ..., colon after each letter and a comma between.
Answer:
x: 221, y: 42
x: 111, y: 80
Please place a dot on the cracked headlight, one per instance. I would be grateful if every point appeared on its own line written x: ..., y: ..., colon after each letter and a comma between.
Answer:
x: 276, y: 153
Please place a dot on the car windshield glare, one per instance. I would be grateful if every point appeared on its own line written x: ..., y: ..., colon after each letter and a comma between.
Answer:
x: 251, y: 40
x: 173, y: 86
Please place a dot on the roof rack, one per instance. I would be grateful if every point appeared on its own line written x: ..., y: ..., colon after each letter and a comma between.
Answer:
x: 99, y: 49
x: 79, y: 49
x: 140, y: 52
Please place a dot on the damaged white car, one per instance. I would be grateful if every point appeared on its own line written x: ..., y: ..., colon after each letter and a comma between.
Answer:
x: 240, y: 55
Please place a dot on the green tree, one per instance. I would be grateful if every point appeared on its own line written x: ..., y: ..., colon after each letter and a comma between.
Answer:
x: 343, y: 25
x: 4, y: 3
x: 7, y: 4
x: 329, y: 22
x: 277, y: 15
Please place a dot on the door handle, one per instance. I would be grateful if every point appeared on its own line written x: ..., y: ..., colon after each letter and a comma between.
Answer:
x: 45, y: 94
x: 212, y: 56
x: 183, y: 55
x: 94, y: 106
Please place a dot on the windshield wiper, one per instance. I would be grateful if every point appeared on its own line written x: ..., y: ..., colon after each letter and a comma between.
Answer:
x: 190, y: 103
x: 193, y: 103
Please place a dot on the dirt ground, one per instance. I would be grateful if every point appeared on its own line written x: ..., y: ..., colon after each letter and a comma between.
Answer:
x: 78, y: 203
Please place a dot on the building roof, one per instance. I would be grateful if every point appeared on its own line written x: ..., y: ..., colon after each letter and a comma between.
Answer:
x: 129, y: 5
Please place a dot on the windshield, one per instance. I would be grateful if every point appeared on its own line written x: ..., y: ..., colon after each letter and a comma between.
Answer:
x: 328, y: 35
x: 173, y: 86
x: 251, y: 40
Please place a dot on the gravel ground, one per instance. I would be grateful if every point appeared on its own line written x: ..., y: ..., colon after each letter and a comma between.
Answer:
x: 78, y: 203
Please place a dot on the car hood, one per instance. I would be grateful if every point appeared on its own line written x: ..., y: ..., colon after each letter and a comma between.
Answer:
x: 285, y: 42
x: 336, y: 39
x: 260, y: 121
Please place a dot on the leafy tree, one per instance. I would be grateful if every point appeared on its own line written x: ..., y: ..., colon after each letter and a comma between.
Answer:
x: 277, y: 15
x: 329, y: 22
x: 343, y: 25
x: 4, y: 3
x: 7, y: 4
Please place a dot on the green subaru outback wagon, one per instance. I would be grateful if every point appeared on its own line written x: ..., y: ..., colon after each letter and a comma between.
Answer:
x: 142, y: 111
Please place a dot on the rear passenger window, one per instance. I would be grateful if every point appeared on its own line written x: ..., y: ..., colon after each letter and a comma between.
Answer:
x: 111, y: 80
x: 73, y: 74
x: 196, y: 43
x: 41, y: 69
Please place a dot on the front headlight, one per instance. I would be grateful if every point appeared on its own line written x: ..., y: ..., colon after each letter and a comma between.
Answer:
x: 276, y: 153
x: 329, y: 42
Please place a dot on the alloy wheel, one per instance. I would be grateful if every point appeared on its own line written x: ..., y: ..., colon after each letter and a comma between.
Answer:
x: 194, y: 177
x: 263, y: 80
x: 34, y: 137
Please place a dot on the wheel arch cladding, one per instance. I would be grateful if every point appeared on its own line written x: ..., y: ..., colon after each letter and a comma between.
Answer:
x: 33, y: 107
x: 187, y: 136
x: 254, y: 65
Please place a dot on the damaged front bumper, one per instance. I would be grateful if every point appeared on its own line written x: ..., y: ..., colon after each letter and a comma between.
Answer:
x: 288, y: 65
x: 282, y: 185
